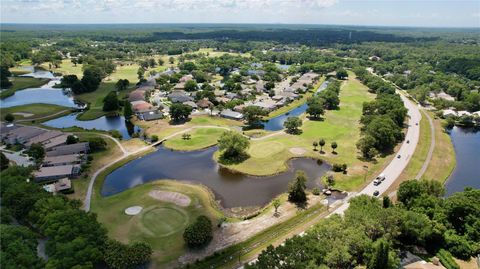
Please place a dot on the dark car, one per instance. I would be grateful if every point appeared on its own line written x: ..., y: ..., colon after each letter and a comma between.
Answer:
x: 376, y: 193
x: 399, y: 156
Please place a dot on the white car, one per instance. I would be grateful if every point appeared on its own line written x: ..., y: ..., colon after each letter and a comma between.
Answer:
x: 381, y: 177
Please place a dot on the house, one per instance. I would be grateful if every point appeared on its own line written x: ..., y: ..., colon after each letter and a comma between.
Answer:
x: 6, y: 128
x: 464, y: 113
x: 191, y: 104
x: 219, y: 93
x: 186, y: 78
x: 56, y: 141
x: 204, y: 103
x: 136, y: 95
x: 151, y: 115
x: 179, y: 97
x: 231, y: 95
x: 230, y: 114
x: 56, y: 172
x: 449, y: 112
x: 22, y: 134
x: 62, y: 184
x: 260, y: 86
x: 180, y: 86
x: 239, y: 108
x: 141, y: 106
x: 63, y: 160
x: 43, y: 137
x: 77, y: 148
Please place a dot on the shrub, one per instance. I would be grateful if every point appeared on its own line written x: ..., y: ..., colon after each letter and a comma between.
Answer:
x: 447, y: 260
x: 316, y: 191
x: 199, y: 233
x: 154, y: 138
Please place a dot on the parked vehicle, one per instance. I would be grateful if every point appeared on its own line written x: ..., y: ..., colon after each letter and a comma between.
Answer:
x: 399, y: 156
x: 376, y: 182
x: 381, y: 177
x: 376, y: 193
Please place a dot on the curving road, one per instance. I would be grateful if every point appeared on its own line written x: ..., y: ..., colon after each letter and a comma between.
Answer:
x: 397, y: 165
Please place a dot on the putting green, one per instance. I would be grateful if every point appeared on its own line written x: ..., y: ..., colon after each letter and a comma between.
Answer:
x: 164, y: 221
x: 266, y: 149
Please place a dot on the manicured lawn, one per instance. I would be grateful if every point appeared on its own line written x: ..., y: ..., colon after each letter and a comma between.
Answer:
x: 66, y: 68
x: 200, y: 138
x: 269, y: 156
x: 161, y: 224
x: 20, y: 83
x: 38, y: 110
x: 95, y: 99
x: 443, y: 158
x: 128, y: 71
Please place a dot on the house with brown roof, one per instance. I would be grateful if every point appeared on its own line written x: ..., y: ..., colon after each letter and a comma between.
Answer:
x: 204, y: 103
x: 63, y: 160
x: 136, y: 95
x: 43, y: 137
x: 56, y: 172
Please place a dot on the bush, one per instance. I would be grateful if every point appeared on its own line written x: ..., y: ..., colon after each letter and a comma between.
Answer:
x: 199, y: 233
x: 316, y: 191
x: 97, y: 144
x: 154, y: 138
x: 447, y: 260
x: 339, y: 167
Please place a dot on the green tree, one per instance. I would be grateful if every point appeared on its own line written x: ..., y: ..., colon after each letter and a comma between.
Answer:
x: 161, y: 62
x: 72, y: 139
x: 4, y: 162
x: 127, y: 110
x: 253, y: 114
x: 198, y: 234
x: 180, y: 112
x: 121, y: 256
x: 19, y: 248
x: 122, y: 84
x: 4, y: 74
x: 97, y: 144
x: 321, y: 143
x: 380, y: 258
x: 36, y: 151
x: 296, y: 189
x: 276, y: 204
x: 315, y: 145
x: 110, y: 102
x: 68, y: 81
x: 191, y: 85
x: 292, y: 124
x: 171, y: 60
x: 233, y: 145
x: 334, y: 146
x: 315, y: 107
x: 9, y: 117
x: 140, y: 73
x: 92, y: 76
x: 342, y: 74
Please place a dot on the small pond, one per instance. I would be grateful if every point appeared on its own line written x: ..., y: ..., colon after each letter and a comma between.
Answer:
x: 276, y: 123
x: 41, y: 96
x: 38, y: 73
x: 466, y: 142
x: 103, y: 123
x: 233, y: 189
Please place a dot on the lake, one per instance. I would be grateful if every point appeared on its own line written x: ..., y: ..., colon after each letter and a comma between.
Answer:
x: 232, y: 189
x: 276, y: 123
x: 41, y: 96
x: 466, y: 142
x: 103, y: 123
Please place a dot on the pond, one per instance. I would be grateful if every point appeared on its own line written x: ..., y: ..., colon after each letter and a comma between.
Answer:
x: 38, y: 73
x: 466, y: 142
x: 41, y: 96
x: 103, y: 123
x: 276, y: 123
x: 232, y: 189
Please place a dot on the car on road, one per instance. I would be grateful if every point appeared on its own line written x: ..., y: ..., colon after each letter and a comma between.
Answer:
x: 376, y: 193
x: 408, y: 141
x: 381, y: 177
x: 376, y: 182
x: 399, y: 156
x: 416, y: 123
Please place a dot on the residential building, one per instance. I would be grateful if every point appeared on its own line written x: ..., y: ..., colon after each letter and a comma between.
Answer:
x: 56, y: 172
x: 43, y: 137
x: 22, y: 134
x: 63, y: 160
x: 179, y: 97
x: 230, y: 114
x: 69, y: 149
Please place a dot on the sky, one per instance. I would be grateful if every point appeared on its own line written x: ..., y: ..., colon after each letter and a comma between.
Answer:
x: 429, y: 13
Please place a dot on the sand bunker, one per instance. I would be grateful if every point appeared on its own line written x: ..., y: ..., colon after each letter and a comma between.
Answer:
x: 171, y: 197
x: 133, y: 210
x: 23, y: 114
x: 298, y: 151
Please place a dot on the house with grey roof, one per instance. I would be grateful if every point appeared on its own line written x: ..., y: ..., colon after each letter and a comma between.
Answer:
x: 230, y: 114
x: 63, y: 160
x: 56, y: 172
x: 78, y: 148
x: 179, y: 97
x: 22, y: 134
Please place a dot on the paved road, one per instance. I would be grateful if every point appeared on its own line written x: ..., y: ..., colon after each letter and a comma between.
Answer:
x: 397, y: 165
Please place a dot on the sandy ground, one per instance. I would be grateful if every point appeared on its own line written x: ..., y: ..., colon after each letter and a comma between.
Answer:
x: 171, y: 197
x: 23, y: 114
x: 133, y: 210
x: 232, y: 233
x: 298, y: 151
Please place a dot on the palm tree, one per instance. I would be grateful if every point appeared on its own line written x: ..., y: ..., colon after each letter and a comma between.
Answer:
x: 334, y: 146
x: 276, y: 204
x: 321, y: 143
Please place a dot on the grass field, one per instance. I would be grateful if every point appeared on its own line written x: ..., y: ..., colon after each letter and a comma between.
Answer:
x: 200, y: 138
x: 161, y: 224
x: 443, y: 158
x: 270, y: 155
x: 66, y: 68
x: 38, y: 110
x: 20, y: 83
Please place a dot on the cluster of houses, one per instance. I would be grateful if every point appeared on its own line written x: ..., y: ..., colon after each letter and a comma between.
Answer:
x: 62, y: 161
x: 150, y: 103
x: 451, y: 112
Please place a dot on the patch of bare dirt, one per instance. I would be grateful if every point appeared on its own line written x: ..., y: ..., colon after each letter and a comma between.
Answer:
x: 298, y: 151
x: 170, y: 197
